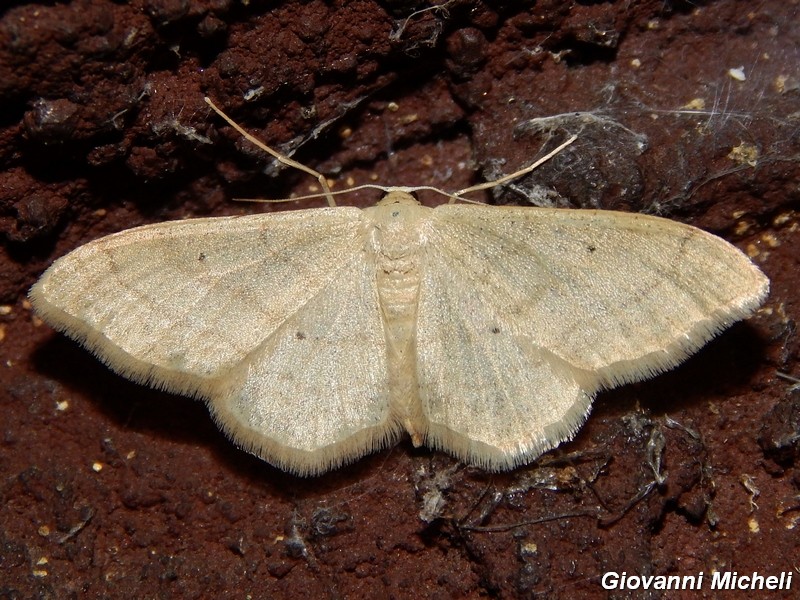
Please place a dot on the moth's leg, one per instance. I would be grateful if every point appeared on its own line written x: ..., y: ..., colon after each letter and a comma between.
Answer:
x: 280, y: 157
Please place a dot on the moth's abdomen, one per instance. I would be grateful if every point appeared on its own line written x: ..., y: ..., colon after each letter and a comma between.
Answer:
x: 397, y: 293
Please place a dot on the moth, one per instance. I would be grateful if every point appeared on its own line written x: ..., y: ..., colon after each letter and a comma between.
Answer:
x: 317, y: 336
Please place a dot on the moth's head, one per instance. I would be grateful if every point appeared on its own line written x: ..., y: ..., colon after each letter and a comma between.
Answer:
x: 398, y: 196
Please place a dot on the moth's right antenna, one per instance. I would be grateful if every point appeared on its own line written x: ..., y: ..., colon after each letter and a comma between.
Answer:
x: 490, y: 184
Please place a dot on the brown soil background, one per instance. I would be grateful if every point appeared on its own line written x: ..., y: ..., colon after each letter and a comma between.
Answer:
x: 110, y: 489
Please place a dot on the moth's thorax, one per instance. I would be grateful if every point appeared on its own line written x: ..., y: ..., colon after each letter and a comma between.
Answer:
x: 395, y: 223
x: 395, y: 240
